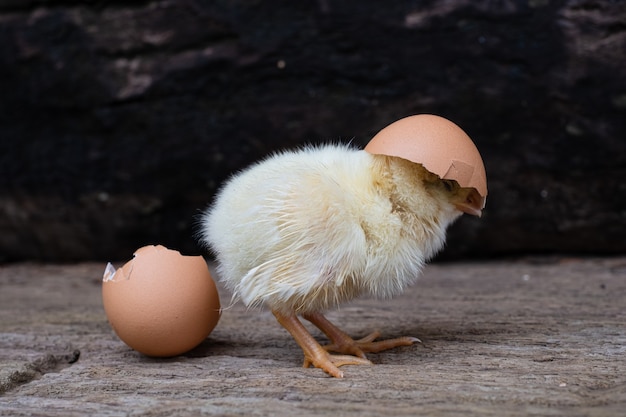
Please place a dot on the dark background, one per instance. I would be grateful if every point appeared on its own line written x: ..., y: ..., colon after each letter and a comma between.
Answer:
x: 119, y: 119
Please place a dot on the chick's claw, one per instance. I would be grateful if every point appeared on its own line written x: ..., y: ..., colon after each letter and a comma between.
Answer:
x: 330, y: 363
x: 367, y: 344
x: 342, y: 343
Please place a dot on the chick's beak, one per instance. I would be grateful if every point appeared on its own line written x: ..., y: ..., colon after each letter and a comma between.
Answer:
x: 469, y: 201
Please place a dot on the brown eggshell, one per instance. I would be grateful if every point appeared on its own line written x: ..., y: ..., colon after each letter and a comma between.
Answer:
x: 438, y: 144
x: 161, y: 303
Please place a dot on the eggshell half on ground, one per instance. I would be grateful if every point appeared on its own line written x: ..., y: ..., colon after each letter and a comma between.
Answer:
x: 438, y: 144
x: 161, y: 303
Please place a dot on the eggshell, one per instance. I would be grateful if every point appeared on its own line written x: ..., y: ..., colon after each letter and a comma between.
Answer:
x: 161, y: 303
x: 438, y: 144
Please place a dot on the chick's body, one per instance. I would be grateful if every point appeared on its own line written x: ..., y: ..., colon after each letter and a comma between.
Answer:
x: 303, y: 231
x: 306, y: 230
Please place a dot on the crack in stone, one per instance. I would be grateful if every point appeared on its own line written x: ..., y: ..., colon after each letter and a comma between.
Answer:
x: 34, y: 370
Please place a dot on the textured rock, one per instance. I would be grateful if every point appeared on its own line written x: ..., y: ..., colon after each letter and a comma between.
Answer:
x: 532, y: 337
x: 119, y: 120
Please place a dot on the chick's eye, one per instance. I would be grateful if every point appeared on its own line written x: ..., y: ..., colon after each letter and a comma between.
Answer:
x: 448, y: 185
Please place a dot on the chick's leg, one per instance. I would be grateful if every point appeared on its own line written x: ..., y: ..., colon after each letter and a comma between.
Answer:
x: 343, y: 343
x: 314, y: 354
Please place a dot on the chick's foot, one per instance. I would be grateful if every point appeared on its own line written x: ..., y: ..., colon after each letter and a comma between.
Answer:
x: 342, y: 343
x: 328, y: 362
x: 314, y: 353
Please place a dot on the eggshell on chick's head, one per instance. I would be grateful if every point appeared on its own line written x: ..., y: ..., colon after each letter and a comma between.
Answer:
x: 161, y: 303
x: 438, y: 144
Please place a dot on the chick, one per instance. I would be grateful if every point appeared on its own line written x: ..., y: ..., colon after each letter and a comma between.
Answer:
x: 304, y: 231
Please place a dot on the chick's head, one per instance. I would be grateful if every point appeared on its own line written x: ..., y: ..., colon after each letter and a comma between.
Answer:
x: 442, y: 148
x: 464, y: 199
x: 426, y: 192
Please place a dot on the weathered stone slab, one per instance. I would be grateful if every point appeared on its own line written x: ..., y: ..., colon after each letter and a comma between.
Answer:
x: 530, y: 337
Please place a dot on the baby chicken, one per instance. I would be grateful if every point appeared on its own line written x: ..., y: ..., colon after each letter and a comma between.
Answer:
x: 306, y: 230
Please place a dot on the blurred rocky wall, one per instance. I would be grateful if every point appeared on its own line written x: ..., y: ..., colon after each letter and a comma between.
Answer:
x: 120, y: 119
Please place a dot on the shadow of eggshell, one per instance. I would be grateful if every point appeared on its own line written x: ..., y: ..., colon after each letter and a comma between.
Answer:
x: 161, y: 303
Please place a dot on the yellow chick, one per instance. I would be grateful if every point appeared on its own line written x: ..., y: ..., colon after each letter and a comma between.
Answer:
x: 304, y: 231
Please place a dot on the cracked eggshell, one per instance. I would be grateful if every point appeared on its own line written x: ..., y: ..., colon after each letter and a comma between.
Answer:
x: 161, y: 303
x: 438, y: 144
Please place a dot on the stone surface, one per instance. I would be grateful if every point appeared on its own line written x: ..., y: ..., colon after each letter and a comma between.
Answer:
x: 119, y: 120
x: 526, y: 337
